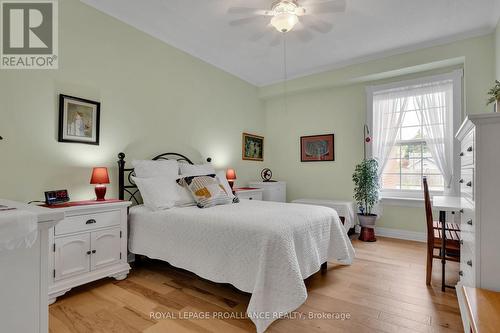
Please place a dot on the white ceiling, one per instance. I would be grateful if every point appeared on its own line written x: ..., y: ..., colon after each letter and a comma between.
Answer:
x: 368, y: 29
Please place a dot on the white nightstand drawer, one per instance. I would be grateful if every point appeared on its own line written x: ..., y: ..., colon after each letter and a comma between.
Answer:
x: 250, y: 195
x: 85, y: 222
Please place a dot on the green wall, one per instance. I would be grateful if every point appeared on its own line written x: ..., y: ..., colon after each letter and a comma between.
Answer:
x: 335, y: 102
x: 497, y: 51
x: 154, y: 98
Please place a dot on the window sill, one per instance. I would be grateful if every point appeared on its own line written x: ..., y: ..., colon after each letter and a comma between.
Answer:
x: 402, y: 202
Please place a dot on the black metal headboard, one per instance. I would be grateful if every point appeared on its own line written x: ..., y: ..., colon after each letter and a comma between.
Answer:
x: 127, y: 173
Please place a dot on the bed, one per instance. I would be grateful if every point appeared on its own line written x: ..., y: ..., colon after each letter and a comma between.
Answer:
x: 263, y: 248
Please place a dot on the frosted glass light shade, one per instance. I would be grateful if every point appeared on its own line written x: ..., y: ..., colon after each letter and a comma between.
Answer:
x: 284, y: 22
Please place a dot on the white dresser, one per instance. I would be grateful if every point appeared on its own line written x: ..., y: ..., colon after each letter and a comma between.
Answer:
x: 479, y: 136
x: 89, y: 244
x: 249, y: 193
x: 273, y: 191
x: 24, y: 274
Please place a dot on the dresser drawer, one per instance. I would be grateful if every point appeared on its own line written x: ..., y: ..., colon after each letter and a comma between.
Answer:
x: 467, y: 150
x: 468, y: 277
x: 467, y: 220
x: 77, y: 223
x: 250, y: 195
x: 467, y: 183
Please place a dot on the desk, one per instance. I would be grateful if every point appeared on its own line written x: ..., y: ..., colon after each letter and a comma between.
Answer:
x: 445, y: 204
x: 483, y: 309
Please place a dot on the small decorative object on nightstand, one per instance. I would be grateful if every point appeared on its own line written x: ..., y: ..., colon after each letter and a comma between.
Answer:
x: 231, y: 177
x: 99, y: 179
x: 89, y: 244
x: 249, y: 193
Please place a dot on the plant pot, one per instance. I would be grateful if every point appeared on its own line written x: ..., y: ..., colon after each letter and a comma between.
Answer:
x: 367, y: 223
x: 497, y: 108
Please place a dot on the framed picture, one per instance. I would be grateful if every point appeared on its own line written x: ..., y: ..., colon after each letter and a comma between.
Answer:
x: 317, y: 148
x: 252, y: 147
x: 78, y: 120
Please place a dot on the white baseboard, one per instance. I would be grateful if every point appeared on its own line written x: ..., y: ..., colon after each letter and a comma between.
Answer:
x: 399, y: 234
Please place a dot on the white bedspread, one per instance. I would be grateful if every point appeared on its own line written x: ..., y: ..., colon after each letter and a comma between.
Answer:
x: 263, y: 248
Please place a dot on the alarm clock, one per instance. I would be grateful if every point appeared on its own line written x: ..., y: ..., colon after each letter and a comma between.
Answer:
x: 56, y: 197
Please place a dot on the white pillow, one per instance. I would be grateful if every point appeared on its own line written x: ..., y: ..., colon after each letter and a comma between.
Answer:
x: 196, y: 169
x: 152, y: 169
x: 157, y: 193
x: 221, y: 176
x: 185, y: 197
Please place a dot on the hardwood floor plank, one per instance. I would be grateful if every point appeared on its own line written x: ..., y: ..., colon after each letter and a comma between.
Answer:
x: 383, y: 291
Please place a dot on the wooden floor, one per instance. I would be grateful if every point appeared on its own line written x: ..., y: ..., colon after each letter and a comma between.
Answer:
x: 383, y: 291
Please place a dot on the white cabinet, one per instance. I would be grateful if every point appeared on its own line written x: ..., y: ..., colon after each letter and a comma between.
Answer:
x: 72, y: 256
x: 479, y: 190
x: 89, y: 244
x: 272, y: 191
x: 105, y: 248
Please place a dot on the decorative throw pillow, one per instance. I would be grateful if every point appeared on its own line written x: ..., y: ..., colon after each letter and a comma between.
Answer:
x: 206, y: 190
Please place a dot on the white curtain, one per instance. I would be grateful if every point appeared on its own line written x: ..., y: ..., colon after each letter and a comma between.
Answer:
x: 436, y: 102
x: 388, y: 113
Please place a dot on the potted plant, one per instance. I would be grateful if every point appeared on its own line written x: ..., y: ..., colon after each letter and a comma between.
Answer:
x: 494, y: 94
x: 366, y: 194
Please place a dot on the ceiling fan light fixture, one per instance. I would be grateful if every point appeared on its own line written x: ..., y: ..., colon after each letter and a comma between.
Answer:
x: 284, y: 22
x: 285, y: 17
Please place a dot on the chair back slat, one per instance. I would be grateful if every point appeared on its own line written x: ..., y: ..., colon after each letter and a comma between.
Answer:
x: 428, y: 213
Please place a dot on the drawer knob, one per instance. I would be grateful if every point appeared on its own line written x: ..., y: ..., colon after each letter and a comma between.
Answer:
x: 250, y: 198
x: 93, y: 251
x: 469, y: 184
x: 461, y: 273
x: 88, y: 252
x: 91, y: 221
x: 461, y: 154
x: 469, y: 149
x: 469, y: 222
x: 461, y: 181
x: 469, y: 263
x: 461, y: 211
x: 462, y: 242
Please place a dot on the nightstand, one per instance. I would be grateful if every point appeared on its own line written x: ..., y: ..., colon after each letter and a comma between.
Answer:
x: 273, y: 190
x: 89, y: 244
x: 249, y: 193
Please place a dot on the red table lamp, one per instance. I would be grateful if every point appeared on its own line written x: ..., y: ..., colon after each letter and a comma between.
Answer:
x: 231, y: 177
x: 99, y: 178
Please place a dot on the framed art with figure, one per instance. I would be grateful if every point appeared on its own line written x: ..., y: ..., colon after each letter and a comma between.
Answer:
x: 252, y: 147
x: 317, y: 148
x: 78, y: 120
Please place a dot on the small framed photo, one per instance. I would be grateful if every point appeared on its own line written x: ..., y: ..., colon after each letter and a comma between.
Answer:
x: 317, y: 148
x: 78, y: 120
x: 252, y: 147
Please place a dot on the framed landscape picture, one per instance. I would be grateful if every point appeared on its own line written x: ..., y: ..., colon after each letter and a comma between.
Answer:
x: 252, y: 147
x: 317, y: 148
x: 78, y: 120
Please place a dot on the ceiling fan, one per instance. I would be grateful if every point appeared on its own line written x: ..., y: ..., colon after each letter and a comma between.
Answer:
x: 284, y: 15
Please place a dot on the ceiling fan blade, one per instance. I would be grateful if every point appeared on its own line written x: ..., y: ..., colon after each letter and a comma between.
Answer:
x: 247, y: 11
x: 244, y: 21
x: 325, y: 7
x: 261, y: 34
x: 303, y: 35
x: 317, y: 24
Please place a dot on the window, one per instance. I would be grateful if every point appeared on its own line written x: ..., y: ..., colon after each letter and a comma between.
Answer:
x: 413, y: 125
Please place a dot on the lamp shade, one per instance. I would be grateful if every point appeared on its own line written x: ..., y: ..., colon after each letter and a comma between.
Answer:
x: 231, y: 174
x: 99, y: 176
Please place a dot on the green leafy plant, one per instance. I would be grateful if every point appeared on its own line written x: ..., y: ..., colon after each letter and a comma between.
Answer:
x: 494, y: 93
x: 366, y: 185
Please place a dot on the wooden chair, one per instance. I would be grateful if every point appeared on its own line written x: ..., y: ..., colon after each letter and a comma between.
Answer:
x: 435, y: 238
